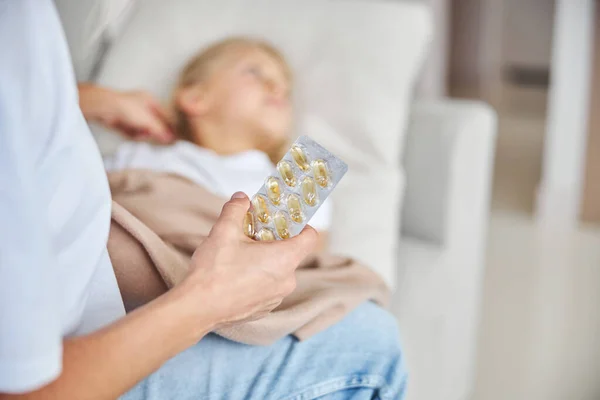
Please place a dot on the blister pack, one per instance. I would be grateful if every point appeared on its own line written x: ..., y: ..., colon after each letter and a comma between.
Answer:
x: 304, y: 178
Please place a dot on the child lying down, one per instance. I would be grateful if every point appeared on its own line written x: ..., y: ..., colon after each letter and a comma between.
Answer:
x: 233, y: 116
x: 233, y: 119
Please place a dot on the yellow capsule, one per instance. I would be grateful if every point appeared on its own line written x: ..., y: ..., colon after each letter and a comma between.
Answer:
x: 265, y: 234
x: 273, y: 190
x: 320, y: 172
x: 281, y: 225
x: 261, y: 209
x: 295, y: 208
x: 309, y: 191
x: 287, y: 173
x: 249, y: 225
x: 300, y: 158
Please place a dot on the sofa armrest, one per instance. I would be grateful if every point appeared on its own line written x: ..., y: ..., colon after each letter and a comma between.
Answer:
x: 448, y: 161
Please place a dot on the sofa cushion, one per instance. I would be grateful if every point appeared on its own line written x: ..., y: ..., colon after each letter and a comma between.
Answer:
x: 89, y: 27
x: 356, y: 64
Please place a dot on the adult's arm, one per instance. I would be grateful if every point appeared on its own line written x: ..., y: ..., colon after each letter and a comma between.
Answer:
x: 105, y: 364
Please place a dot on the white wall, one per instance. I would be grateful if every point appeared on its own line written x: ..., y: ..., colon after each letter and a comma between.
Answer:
x: 560, y: 191
x: 433, y: 81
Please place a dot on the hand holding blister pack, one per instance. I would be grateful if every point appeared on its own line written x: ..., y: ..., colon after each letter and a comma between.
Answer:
x: 288, y: 199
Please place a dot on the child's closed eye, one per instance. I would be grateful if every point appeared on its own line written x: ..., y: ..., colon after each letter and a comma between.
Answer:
x: 254, y: 70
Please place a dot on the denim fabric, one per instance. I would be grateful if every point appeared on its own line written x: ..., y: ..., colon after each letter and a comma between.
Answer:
x: 358, y: 358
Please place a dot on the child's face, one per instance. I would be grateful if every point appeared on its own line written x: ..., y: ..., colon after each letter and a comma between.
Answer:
x: 252, y: 92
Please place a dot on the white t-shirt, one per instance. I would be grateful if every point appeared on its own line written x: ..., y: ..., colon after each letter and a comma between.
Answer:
x: 56, y: 279
x: 222, y: 175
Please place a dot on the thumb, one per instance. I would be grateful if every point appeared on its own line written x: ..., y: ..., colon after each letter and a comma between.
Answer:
x: 232, y: 215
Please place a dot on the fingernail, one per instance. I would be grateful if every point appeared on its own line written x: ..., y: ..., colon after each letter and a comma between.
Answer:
x: 238, y: 195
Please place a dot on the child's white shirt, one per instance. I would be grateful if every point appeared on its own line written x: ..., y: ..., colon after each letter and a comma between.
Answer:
x: 221, y: 175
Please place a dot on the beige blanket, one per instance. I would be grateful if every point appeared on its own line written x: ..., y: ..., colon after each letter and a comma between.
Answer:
x: 159, y: 219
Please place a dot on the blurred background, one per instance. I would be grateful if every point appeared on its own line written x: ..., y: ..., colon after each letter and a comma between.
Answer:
x: 537, y: 62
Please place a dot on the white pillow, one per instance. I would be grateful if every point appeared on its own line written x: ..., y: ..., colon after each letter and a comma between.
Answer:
x: 356, y: 63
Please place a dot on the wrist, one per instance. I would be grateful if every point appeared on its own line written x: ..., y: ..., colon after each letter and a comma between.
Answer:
x: 191, y: 307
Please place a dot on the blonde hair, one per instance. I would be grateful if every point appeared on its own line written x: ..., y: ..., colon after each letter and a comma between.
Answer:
x: 202, y: 66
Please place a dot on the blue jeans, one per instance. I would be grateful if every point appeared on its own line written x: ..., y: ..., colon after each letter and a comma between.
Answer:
x: 358, y: 358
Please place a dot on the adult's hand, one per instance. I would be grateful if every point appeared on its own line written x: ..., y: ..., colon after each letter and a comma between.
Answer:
x: 135, y: 114
x: 234, y: 278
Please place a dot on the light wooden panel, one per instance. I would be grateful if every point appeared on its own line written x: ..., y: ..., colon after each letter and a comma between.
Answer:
x: 590, y: 209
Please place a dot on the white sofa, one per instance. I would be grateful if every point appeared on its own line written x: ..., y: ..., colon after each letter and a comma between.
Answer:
x: 426, y: 166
